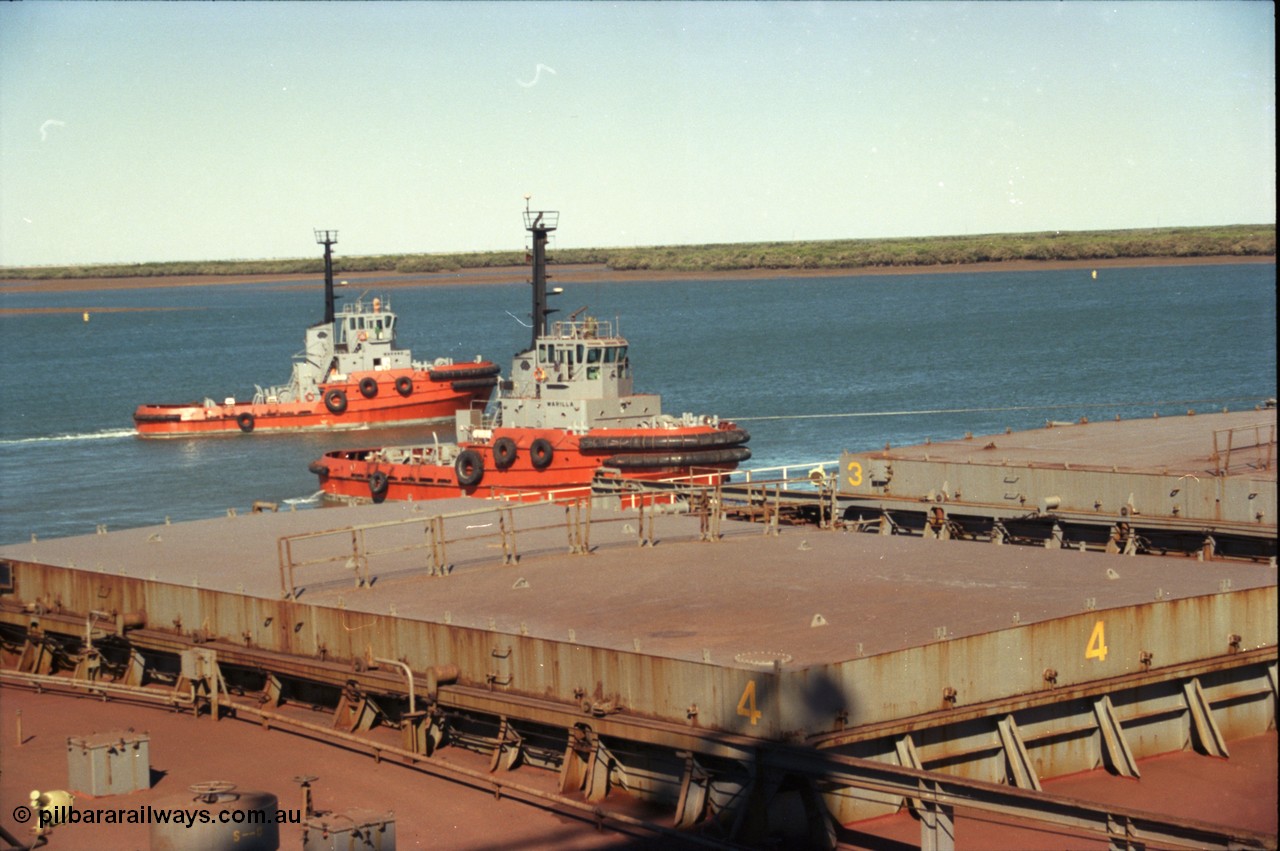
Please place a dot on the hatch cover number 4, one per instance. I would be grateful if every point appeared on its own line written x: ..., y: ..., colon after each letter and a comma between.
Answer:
x: 1097, y: 646
x: 747, y: 703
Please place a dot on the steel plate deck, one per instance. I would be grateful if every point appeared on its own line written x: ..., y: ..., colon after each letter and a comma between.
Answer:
x: 1169, y: 445
x: 807, y: 596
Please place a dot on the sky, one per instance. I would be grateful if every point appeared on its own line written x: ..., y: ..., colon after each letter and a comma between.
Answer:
x: 142, y: 132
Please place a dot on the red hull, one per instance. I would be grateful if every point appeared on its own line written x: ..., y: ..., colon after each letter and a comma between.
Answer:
x: 414, y: 473
x: 391, y: 397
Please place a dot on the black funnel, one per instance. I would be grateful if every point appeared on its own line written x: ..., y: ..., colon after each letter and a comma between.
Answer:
x: 328, y: 238
x: 540, y: 223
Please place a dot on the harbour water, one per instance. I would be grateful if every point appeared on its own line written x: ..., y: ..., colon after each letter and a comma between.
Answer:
x: 809, y: 366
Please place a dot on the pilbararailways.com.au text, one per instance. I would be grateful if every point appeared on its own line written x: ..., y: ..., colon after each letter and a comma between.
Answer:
x: 146, y: 814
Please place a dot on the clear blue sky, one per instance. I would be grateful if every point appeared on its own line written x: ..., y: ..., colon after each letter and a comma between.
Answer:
x: 134, y: 132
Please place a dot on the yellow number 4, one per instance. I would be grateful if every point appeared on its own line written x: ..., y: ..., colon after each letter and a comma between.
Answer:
x: 747, y: 704
x: 1097, y: 648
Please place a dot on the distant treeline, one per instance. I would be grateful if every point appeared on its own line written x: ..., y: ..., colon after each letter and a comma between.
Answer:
x: 1231, y: 240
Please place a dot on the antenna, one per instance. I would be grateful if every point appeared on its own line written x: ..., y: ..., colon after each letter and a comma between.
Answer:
x: 328, y: 238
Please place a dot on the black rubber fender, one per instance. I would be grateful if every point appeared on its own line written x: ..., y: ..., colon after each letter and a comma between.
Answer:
x: 504, y: 452
x: 404, y: 386
x: 378, y: 482
x: 541, y: 453
x: 335, y: 400
x: 469, y: 468
x: 245, y: 421
x: 694, y: 458
x: 450, y: 373
x: 474, y: 384
x: 671, y: 442
x: 318, y: 469
x: 368, y: 387
x: 157, y: 418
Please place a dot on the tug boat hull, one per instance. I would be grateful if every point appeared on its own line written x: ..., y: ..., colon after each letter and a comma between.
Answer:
x: 402, y: 397
x: 350, y: 374
x: 527, y: 464
x: 568, y: 412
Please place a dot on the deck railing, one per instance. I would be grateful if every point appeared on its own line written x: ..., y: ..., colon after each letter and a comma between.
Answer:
x: 1253, y: 445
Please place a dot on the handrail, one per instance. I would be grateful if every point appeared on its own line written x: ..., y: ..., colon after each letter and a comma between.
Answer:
x: 360, y: 552
x: 827, y: 468
x: 1222, y: 456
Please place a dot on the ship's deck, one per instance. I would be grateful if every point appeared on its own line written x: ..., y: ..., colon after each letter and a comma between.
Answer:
x: 864, y: 647
x: 1197, y: 482
x: 745, y: 595
x: 1181, y: 445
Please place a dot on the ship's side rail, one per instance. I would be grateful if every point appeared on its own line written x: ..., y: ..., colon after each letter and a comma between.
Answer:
x: 354, y: 546
x: 451, y: 539
x: 632, y: 492
x: 588, y: 328
x: 1254, y: 447
x: 785, y: 494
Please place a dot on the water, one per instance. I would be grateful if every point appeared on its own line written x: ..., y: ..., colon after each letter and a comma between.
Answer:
x: 957, y: 353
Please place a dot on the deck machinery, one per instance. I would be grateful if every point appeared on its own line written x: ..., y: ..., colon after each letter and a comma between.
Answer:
x: 761, y: 685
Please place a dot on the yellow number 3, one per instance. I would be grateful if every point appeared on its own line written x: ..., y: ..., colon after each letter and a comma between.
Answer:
x: 855, y: 474
x: 1097, y: 648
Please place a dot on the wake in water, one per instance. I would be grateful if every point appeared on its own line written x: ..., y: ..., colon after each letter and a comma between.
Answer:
x: 106, y: 434
x: 314, y: 499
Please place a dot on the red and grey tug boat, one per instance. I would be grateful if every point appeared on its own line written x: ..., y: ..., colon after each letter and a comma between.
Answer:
x: 350, y: 375
x: 567, y: 411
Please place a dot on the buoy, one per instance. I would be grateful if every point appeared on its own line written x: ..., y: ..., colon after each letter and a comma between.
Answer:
x: 1095, y: 274
x: 86, y: 316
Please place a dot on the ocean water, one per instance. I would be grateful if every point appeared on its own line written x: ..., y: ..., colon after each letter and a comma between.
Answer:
x: 809, y: 366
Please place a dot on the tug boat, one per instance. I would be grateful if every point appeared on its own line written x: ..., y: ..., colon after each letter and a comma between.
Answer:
x: 349, y: 375
x: 567, y: 412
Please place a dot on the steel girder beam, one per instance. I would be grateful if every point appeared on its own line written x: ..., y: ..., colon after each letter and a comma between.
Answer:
x: 1047, y: 810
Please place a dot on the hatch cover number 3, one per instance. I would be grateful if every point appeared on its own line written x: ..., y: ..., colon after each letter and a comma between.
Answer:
x: 854, y: 469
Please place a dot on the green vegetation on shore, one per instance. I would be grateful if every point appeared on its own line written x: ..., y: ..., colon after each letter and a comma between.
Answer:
x: 1229, y: 240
